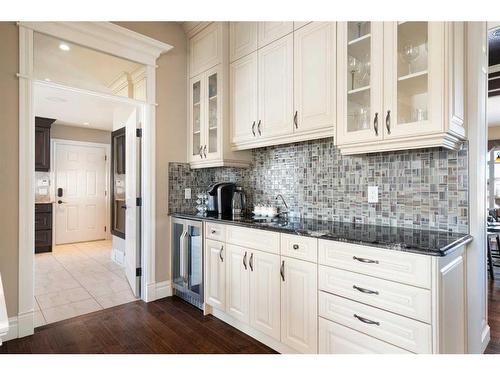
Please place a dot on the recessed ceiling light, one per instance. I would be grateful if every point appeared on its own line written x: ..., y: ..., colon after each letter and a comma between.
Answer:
x: 64, y: 47
x: 86, y: 123
x: 48, y: 79
x: 56, y: 99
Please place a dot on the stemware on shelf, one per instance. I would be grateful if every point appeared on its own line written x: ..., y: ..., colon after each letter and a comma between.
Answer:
x: 409, y: 54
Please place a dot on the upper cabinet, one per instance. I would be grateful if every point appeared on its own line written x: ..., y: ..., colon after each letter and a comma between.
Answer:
x: 242, y: 39
x: 400, y: 85
x: 42, y: 143
x: 208, y: 108
x: 285, y: 91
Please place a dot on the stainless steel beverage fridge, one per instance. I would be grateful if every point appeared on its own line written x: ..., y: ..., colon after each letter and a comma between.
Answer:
x: 187, y: 260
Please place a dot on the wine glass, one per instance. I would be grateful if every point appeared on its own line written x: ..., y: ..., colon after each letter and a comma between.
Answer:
x: 410, y: 54
x: 364, y: 79
x: 354, y: 68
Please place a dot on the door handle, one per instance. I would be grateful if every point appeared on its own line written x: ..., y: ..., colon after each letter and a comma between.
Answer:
x: 182, y: 256
x: 245, y: 260
x: 364, y: 260
x: 220, y: 253
x: 282, y: 270
x: 388, y: 122
x: 366, y: 321
x: 363, y: 290
x: 124, y: 206
x: 258, y: 128
x: 251, y: 262
x: 200, y: 152
x: 205, y: 151
x: 295, y: 119
x: 253, y: 128
x: 60, y: 201
x: 375, y: 124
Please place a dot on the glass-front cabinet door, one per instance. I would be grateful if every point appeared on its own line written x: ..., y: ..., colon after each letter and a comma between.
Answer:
x: 414, y: 71
x: 196, y: 118
x: 359, y: 77
x: 211, y: 146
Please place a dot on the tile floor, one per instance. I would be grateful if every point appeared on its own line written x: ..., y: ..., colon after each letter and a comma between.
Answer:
x: 77, y: 279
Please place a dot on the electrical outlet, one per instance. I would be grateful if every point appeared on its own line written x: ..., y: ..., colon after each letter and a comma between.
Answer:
x: 187, y: 193
x: 372, y: 194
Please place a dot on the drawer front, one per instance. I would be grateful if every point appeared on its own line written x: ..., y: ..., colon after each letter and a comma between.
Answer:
x: 215, y: 232
x: 398, y: 298
x: 392, y: 265
x: 299, y: 247
x: 43, y: 207
x: 43, y: 237
x: 253, y: 238
x: 394, y: 329
x: 43, y: 220
x: 337, y: 339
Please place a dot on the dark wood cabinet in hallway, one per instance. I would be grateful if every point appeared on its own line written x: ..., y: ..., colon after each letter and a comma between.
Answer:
x: 166, y: 326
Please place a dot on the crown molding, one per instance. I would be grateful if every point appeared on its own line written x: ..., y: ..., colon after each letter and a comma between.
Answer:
x: 106, y: 37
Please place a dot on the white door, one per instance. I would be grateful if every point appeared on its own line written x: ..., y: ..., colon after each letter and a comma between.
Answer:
x: 215, y: 280
x: 265, y: 293
x: 237, y: 291
x: 299, y: 304
x: 132, y: 192
x: 242, y: 39
x: 80, y: 179
x: 360, y: 56
x: 243, y: 99
x: 314, y: 76
x: 276, y: 88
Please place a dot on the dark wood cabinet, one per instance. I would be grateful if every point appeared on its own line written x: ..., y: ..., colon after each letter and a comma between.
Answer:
x: 43, y: 227
x: 42, y: 143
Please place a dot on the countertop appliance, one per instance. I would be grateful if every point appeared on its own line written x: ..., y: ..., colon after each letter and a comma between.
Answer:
x: 220, y: 198
x: 187, y: 260
x: 238, y: 204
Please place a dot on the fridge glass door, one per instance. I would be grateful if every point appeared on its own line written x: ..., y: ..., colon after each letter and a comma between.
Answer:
x: 194, y: 258
x: 178, y: 235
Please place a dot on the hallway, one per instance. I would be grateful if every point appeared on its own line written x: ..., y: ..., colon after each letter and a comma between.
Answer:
x: 77, y: 279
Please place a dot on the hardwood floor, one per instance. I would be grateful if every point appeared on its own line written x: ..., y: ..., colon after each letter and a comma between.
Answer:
x: 168, y: 326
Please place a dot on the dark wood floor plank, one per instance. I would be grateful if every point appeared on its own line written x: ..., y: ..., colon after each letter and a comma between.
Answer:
x: 165, y: 326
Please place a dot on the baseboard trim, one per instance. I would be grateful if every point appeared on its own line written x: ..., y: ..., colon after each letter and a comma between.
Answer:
x: 163, y: 289
x: 12, y: 333
x: 485, y: 338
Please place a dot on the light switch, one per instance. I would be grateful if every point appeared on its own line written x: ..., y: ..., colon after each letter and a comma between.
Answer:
x: 187, y: 193
x: 372, y: 194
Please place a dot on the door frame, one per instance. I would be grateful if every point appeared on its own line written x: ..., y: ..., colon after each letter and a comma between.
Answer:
x: 121, y: 42
x: 54, y: 142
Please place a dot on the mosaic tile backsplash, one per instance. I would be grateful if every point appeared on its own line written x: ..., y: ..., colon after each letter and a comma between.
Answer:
x: 420, y: 189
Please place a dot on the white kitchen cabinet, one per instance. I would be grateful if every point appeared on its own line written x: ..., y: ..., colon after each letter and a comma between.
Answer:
x: 206, y: 49
x: 270, y: 31
x: 414, y: 99
x: 244, y: 96
x: 275, y: 89
x: 299, y: 24
x: 265, y: 293
x: 242, y: 39
x: 238, y: 281
x: 299, y: 291
x: 215, y: 277
x: 208, y: 109
x: 314, y: 65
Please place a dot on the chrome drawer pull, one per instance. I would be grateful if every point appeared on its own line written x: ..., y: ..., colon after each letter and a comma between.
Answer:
x: 364, y: 260
x: 251, y: 262
x: 282, y: 270
x: 363, y: 290
x: 220, y: 253
x: 245, y: 260
x: 366, y: 321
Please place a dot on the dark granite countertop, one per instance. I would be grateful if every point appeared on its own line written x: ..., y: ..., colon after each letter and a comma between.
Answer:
x: 427, y: 242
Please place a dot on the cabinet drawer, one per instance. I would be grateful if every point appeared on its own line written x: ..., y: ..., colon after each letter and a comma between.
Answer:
x: 215, y: 232
x: 43, y: 207
x: 299, y: 247
x: 394, y: 329
x: 43, y: 220
x: 398, y: 298
x: 337, y: 339
x: 254, y: 239
x: 43, y: 237
x: 392, y: 265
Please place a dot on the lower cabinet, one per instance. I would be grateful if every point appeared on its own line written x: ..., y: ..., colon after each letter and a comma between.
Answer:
x: 237, y: 287
x: 299, y: 311
x: 215, y: 274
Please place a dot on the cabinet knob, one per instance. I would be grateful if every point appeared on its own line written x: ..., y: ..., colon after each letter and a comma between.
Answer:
x: 213, y: 231
x: 295, y: 246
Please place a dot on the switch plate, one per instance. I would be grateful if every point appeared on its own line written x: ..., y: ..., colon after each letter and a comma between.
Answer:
x: 187, y: 193
x: 372, y: 194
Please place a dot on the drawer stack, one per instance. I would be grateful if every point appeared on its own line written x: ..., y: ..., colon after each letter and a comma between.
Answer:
x: 377, y: 296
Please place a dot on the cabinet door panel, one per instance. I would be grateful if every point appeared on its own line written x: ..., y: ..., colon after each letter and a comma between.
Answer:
x: 276, y: 88
x: 265, y: 293
x: 237, y: 283
x: 271, y: 31
x: 197, y: 117
x: 212, y: 123
x: 299, y: 291
x: 42, y: 148
x: 314, y: 76
x: 242, y: 39
x: 243, y: 99
x: 359, y: 82
x: 215, y: 290
x: 205, y: 49
x: 413, y: 76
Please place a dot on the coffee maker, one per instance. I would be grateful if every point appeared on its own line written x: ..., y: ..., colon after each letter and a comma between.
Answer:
x: 220, y: 197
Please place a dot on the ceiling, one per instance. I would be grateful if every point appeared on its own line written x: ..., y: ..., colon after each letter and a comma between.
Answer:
x: 79, y: 66
x: 74, y: 108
